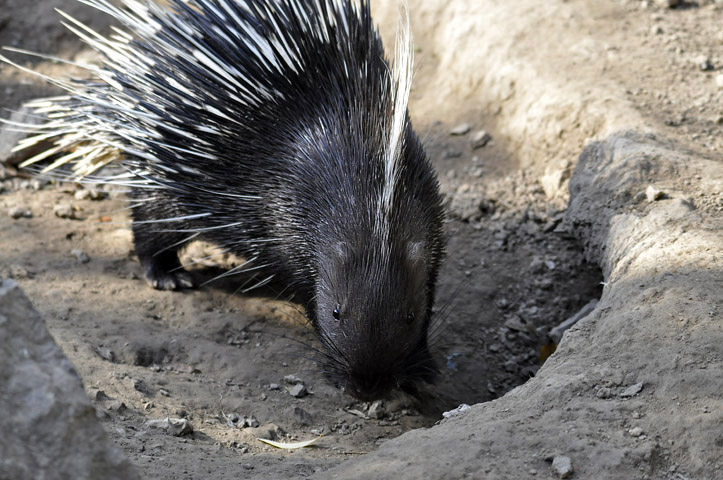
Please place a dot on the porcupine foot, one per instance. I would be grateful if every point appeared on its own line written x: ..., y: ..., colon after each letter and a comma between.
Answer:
x: 164, y: 272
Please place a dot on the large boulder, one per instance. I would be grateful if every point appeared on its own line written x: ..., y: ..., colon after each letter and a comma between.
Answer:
x: 49, y: 427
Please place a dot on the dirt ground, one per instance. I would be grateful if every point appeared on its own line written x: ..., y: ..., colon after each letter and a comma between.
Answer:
x: 514, y: 269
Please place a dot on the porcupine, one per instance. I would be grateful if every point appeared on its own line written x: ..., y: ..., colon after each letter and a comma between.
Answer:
x: 277, y: 130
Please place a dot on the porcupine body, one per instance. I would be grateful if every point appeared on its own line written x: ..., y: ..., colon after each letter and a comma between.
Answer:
x: 277, y: 130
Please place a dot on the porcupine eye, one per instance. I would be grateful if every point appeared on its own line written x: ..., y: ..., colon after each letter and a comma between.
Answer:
x: 336, y: 313
x: 410, y: 318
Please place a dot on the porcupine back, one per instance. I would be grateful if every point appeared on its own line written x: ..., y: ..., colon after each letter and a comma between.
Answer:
x: 278, y: 131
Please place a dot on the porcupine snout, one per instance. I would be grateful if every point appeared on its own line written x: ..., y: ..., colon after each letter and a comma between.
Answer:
x: 373, y: 316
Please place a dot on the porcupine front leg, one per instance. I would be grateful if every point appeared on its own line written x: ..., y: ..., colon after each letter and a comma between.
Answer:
x: 157, y: 249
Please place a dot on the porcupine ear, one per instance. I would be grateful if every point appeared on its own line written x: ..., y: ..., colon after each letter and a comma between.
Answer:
x: 340, y: 249
x: 415, y: 252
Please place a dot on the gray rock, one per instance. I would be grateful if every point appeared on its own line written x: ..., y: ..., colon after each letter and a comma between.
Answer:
x: 251, y: 422
x: 81, y: 194
x: 18, y: 212
x: 376, y: 409
x: 461, y: 129
x: 298, y: 390
x: 653, y: 194
x: 480, y: 139
x: 64, y: 210
x: 80, y: 255
x: 632, y: 390
x: 457, y: 411
x: 292, y: 380
x: 172, y: 426
x: 562, y: 466
x: 51, y: 427
x: 10, y: 136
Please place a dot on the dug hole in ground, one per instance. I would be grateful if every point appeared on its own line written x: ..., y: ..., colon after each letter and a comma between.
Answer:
x: 599, y: 178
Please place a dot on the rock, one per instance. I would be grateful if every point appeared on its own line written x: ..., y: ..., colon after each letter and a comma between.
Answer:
x: 64, y: 210
x: 53, y: 431
x: 719, y: 80
x: 292, y: 380
x: 117, y: 406
x: 604, y: 393
x: 80, y: 255
x: 632, y: 390
x: 18, y: 212
x: 10, y: 136
x: 81, y: 194
x: 376, y: 409
x: 551, y: 182
x: 461, y: 129
x: 251, y: 422
x: 467, y: 206
x: 270, y: 431
x: 480, y: 139
x: 274, y: 386
x: 667, y: 3
x: 298, y: 390
x: 704, y: 63
x: 457, y: 411
x: 93, y: 194
x: 105, y: 353
x: 635, y: 432
x: 653, y: 194
x: 562, y: 466
x: 516, y: 323
x: 172, y: 426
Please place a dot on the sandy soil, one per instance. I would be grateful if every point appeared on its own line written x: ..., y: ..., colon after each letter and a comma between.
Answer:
x: 514, y: 270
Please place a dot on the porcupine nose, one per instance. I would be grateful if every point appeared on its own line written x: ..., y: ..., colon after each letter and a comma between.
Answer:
x: 369, y: 387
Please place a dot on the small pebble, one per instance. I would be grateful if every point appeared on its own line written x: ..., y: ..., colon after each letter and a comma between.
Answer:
x: 376, y: 410
x: 298, y: 390
x: 80, y: 255
x: 172, y: 426
x: 64, y: 210
x: 17, y: 212
x: 81, y: 194
x: 274, y: 386
x: 480, y: 139
x: 705, y: 65
x: 653, y: 194
x: 635, y: 431
x: 251, y: 422
x: 457, y: 411
x: 562, y: 466
x: 632, y: 390
x: 292, y: 380
x: 719, y: 80
x: 460, y: 129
